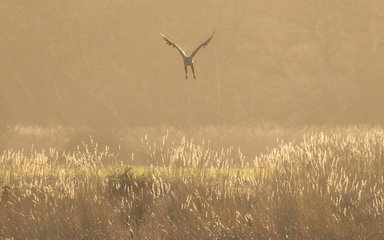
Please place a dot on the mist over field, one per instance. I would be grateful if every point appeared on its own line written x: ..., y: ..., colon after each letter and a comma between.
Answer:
x: 104, y: 64
x: 280, y: 136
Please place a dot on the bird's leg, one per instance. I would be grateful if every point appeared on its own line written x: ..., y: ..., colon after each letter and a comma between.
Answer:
x: 185, y: 69
x: 193, y: 71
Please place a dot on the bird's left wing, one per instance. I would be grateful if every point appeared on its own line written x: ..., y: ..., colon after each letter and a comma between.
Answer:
x: 204, y: 44
x: 173, y: 44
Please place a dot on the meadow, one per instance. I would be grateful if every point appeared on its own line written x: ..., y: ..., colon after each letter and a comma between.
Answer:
x: 320, y: 183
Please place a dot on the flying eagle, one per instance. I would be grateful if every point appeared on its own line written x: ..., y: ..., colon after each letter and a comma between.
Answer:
x: 188, y: 60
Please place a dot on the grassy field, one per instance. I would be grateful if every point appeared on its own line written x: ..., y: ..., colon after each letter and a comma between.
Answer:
x: 328, y: 184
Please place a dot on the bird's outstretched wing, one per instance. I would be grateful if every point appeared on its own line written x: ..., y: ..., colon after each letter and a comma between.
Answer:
x: 170, y: 43
x: 204, y: 44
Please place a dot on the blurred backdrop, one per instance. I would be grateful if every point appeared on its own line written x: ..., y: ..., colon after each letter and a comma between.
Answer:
x: 103, y: 63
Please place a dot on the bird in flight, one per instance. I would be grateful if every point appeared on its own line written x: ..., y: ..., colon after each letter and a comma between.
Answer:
x: 188, y: 59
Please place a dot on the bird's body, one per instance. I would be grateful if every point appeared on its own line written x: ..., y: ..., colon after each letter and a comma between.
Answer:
x: 187, y: 59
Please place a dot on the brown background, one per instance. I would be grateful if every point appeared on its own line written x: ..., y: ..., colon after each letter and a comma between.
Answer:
x: 98, y: 62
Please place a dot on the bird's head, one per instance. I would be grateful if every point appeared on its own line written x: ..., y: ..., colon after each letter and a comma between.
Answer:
x: 189, y: 60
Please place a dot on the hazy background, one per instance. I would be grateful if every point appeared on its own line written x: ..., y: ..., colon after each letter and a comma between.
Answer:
x: 99, y: 63
x: 103, y: 62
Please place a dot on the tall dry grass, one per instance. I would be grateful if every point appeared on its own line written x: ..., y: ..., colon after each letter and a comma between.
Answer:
x: 329, y: 185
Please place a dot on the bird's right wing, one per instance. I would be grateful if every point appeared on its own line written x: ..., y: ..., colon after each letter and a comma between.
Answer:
x: 204, y: 44
x: 170, y: 43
